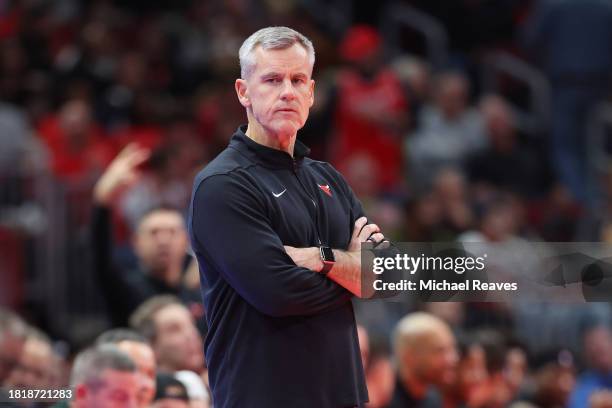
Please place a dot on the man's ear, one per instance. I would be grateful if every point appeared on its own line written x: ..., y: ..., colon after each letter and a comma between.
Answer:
x: 312, y: 88
x: 242, y: 92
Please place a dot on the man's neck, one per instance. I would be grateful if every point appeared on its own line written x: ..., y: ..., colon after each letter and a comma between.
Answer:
x: 283, y: 142
x: 412, y: 385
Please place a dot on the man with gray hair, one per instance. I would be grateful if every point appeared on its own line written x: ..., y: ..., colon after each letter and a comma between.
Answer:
x: 278, y: 241
x: 104, y: 376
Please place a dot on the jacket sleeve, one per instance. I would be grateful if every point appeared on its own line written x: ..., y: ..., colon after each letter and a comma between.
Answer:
x: 232, y: 233
x: 119, y: 295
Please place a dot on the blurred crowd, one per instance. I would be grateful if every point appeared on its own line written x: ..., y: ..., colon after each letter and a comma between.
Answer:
x: 110, y: 108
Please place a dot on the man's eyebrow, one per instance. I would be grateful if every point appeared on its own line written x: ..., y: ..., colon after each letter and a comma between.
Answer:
x: 270, y: 75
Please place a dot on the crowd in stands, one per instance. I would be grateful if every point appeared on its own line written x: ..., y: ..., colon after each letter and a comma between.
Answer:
x: 112, y: 107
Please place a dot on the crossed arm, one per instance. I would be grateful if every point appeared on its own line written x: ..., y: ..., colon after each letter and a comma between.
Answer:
x: 347, y: 269
x: 234, y: 239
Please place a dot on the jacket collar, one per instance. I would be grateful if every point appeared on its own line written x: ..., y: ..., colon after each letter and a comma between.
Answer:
x: 266, y: 155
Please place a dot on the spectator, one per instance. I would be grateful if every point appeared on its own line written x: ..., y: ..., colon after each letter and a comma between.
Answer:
x: 78, y: 149
x: 504, y: 164
x: 554, y: 381
x: 415, y: 75
x: 13, y: 333
x: 450, y: 187
x: 199, y: 397
x: 572, y: 41
x: 104, y: 376
x: 449, y: 131
x: 425, y: 352
x: 370, y: 109
x: 170, y: 329
x: 598, y: 376
x: 471, y: 375
x: 37, y: 361
x: 139, y: 350
x: 380, y: 376
x: 495, y: 390
x: 160, y: 243
x: 171, y: 393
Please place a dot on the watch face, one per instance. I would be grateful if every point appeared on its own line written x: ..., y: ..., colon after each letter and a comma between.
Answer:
x: 327, y: 254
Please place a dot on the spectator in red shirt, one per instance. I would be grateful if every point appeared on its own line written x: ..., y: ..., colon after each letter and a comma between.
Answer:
x: 370, y: 109
x: 78, y: 149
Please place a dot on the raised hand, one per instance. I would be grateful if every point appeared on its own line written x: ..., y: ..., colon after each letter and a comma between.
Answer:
x: 122, y: 172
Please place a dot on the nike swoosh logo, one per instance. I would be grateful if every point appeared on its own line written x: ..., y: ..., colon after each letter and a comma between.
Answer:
x: 279, y: 194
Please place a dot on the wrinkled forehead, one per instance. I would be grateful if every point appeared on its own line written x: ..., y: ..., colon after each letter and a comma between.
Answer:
x: 293, y: 59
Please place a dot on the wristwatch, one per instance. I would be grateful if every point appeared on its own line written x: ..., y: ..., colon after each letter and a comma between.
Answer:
x: 327, y: 256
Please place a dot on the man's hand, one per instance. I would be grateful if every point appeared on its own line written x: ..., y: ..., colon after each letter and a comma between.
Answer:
x: 122, y: 172
x: 347, y: 270
x: 364, y: 233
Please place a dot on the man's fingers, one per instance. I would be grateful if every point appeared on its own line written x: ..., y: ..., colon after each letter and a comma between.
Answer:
x: 139, y: 157
x: 367, y: 231
x: 132, y: 155
x: 376, y: 237
x: 359, y: 224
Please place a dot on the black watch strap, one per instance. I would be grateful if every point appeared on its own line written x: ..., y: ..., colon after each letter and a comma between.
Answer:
x: 327, y: 256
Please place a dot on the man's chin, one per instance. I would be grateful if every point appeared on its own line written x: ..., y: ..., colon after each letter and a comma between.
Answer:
x: 286, y: 128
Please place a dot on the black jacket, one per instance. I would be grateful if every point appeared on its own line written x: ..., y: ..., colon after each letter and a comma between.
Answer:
x: 279, y: 335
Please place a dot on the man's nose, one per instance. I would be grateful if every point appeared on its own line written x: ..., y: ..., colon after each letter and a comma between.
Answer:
x: 288, y: 91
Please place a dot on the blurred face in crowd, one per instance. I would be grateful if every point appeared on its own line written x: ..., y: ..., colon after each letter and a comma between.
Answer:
x: 432, y: 357
x: 555, y: 384
x: 75, y: 120
x: 499, y: 122
x: 452, y: 95
x: 34, y: 369
x: 143, y: 357
x: 161, y: 241
x: 177, y: 345
x: 278, y: 92
x: 11, y: 347
x: 113, y: 388
x: 471, y: 372
x: 516, y: 368
x: 598, y: 349
x: 498, y: 224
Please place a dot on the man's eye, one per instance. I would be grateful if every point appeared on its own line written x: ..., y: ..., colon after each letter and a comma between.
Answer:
x: 298, y: 81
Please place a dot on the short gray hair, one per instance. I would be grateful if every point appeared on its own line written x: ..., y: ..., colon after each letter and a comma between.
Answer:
x: 91, y: 363
x: 271, y: 38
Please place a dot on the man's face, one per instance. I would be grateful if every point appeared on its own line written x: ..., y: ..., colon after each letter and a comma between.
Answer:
x: 279, y: 91
x: 10, y: 352
x: 161, y: 240
x: 435, y: 357
x: 34, y: 367
x: 114, y: 388
x: 142, y: 355
x: 178, y: 345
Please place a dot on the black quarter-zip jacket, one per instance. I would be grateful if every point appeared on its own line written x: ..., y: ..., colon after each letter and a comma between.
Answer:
x: 279, y: 335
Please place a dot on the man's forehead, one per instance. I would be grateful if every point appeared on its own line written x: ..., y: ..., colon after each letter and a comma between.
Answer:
x: 294, y: 59
x: 161, y: 218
